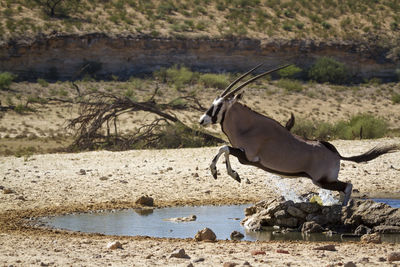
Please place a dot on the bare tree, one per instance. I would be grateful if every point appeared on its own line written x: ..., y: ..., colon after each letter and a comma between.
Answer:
x: 101, y: 112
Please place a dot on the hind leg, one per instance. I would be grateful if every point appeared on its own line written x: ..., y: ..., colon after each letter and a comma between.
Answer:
x: 337, y: 186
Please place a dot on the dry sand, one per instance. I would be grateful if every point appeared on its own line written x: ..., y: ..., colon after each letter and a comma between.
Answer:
x: 54, y: 184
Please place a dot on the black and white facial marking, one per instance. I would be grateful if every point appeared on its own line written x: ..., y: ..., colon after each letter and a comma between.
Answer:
x: 215, y: 113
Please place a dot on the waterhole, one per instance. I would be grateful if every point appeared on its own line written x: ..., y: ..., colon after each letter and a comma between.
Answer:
x: 223, y: 220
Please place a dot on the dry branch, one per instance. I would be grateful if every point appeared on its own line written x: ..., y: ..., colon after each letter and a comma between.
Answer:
x: 100, y: 110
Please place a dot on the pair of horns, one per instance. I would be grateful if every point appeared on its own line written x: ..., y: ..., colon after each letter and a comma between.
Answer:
x: 225, y: 93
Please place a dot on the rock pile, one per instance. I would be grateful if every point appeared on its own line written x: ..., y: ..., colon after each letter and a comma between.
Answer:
x: 360, y: 217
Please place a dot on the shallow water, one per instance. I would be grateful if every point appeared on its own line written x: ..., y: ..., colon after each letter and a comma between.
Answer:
x: 223, y: 220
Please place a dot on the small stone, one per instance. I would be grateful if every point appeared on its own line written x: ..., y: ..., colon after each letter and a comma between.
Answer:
x: 8, y: 191
x: 145, y: 201
x: 236, y: 235
x: 257, y: 252
x: 349, y: 264
x: 282, y: 251
x: 123, y: 181
x: 326, y: 247
x: 198, y: 260
x: 179, y: 253
x: 394, y: 256
x: 371, y: 238
x: 205, y: 235
x: 82, y: 172
x: 195, y: 174
x: 246, y: 263
x: 190, y: 265
x: 149, y: 256
x: 230, y: 264
x: 114, y: 245
x: 381, y: 259
x: 103, y: 178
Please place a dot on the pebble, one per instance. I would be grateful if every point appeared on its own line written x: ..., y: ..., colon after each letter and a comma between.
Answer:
x: 114, y: 245
x: 393, y: 256
x: 179, y: 253
x: 103, y: 178
x: 236, y: 235
x: 326, y: 247
x: 282, y: 251
x: 198, y: 260
x: 8, y: 191
x: 82, y: 172
x: 258, y: 252
x: 230, y: 264
x: 205, y: 235
x: 145, y: 201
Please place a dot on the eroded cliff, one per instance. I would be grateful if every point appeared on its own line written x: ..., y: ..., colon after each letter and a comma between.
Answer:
x: 62, y: 56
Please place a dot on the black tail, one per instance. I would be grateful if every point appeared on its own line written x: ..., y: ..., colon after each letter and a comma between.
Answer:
x: 372, y: 154
x: 290, y: 123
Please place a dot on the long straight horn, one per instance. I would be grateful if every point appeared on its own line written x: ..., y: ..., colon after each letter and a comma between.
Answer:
x: 255, y: 78
x: 238, y: 79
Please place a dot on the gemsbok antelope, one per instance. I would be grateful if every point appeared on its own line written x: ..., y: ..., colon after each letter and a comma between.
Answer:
x: 262, y: 142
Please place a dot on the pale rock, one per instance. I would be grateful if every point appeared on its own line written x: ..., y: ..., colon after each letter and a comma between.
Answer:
x: 371, y: 238
x: 114, y: 245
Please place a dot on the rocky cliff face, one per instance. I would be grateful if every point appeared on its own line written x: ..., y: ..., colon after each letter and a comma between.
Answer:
x: 64, y: 56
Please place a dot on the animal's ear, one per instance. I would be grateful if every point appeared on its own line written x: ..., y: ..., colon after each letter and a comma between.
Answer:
x: 239, y: 96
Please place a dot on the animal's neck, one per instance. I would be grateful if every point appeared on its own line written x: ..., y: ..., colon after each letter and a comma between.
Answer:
x: 237, y: 118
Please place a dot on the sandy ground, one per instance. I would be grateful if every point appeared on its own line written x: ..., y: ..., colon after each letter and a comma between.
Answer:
x: 60, y: 183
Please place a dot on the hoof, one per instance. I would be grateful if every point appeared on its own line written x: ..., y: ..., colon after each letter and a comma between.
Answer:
x: 236, y: 176
x: 214, y: 172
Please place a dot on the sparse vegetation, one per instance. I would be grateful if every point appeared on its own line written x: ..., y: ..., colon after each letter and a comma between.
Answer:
x: 361, y: 126
x: 396, y: 98
x: 290, y: 85
x: 214, y: 80
x: 245, y: 18
x: 6, y: 79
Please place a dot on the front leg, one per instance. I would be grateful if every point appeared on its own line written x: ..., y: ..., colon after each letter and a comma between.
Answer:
x: 226, y: 151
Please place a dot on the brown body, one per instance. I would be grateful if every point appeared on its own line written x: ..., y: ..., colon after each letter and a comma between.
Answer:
x: 268, y: 143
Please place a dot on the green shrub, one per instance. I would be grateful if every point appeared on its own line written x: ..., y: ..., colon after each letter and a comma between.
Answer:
x: 290, y: 71
x: 6, y: 78
x: 290, y: 85
x: 361, y: 125
x: 396, y: 98
x: 328, y: 70
x: 219, y: 81
x: 364, y: 126
x: 180, y: 76
x: 42, y: 82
